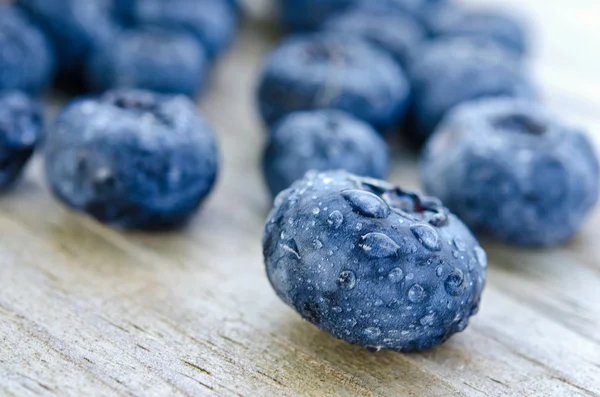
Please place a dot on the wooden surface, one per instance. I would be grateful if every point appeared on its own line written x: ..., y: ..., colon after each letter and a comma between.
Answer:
x: 86, y: 310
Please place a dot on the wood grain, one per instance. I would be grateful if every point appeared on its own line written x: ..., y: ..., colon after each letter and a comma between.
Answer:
x: 90, y: 311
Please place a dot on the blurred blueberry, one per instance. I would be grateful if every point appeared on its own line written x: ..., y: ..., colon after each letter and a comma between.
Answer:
x: 21, y: 129
x: 447, y: 72
x: 213, y: 22
x: 26, y: 56
x: 157, y: 60
x: 510, y: 170
x: 133, y: 159
x: 75, y: 26
x: 322, y: 140
x: 396, y: 33
x: 331, y: 71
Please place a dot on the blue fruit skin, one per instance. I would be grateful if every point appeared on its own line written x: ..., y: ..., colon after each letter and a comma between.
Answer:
x: 354, y: 258
x: 394, y: 33
x: 26, y: 56
x: 20, y: 131
x: 512, y: 172
x: 304, y: 15
x: 448, y: 72
x: 329, y: 71
x: 151, y: 59
x: 506, y: 30
x: 322, y: 140
x: 75, y: 26
x: 132, y: 159
x: 213, y: 22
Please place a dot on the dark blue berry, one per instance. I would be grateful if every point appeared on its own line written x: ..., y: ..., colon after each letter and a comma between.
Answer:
x: 311, y: 14
x: 75, y: 26
x: 330, y: 71
x: 396, y: 33
x: 447, y: 72
x: 504, y: 29
x: 373, y: 264
x: 213, y: 22
x: 20, y: 131
x: 132, y: 159
x: 157, y: 60
x: 26, y: 56
x: 513, y: 172
x: 322, y: 140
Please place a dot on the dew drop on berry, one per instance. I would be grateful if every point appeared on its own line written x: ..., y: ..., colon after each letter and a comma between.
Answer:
x: 335, y: 219
x: 439, y: 270
x: 372, y: 332
x: 378, y: 245
x: 455, y: 283
x: 336, y: 309
x: 346, y: 279
x: 427, y: 236
x: 481, y: 256
x: 427, y: 320
x: 460, y: 244
x: 395, y: 275
x: 366, y: 203
x: 416, y: 293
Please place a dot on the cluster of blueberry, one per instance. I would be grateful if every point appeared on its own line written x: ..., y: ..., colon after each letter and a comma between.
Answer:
x: 369, y: 262
x: 138, y: 155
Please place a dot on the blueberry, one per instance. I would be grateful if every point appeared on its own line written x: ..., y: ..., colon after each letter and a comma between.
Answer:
x: 213, y: 22
x: 157, y: 60
x: 322, y: 140
x: 26, y: 56
x: 447, y: 72
x: 133, y: 159
x: 311, y: 14
x: 395, y: 33
x: 326, y: 70
x: 511, y: 171
x: 504, y: 29
x: 20, y: 132
x: 371, y: 263
x: 76, y: 27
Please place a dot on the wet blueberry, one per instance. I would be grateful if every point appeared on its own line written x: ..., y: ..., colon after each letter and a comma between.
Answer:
x: 512, y: 171
x: 20, y: 131
x: 152, y: 59
x: 132, y: 159
x: 213, y: 22
x: 75, y: 26
x: 394, y: 283
x: 26, y: 56
x: 396, y: 33
x: 325, y: 70
x: 447, y: 72
x: 322, y: 140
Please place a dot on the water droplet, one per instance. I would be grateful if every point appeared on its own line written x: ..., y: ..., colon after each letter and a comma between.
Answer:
x: 455, y: 283
x: 462, y: 324
x: 395, y: 275
x: 481, y: 256
x: 318, y: 244
x: 372, y: 332
x: 347, y: 279
x: 359, y: 226
x: 336, y: 309
x: 366, y: 203
x: 427, y: 236
x: 471, y: 264
x: 439, y: 270
x: 335, y: 219
x: 427, y: 320
x: 316, y: 211
x: 378, y: 245
x: 416, y: 293
x: 378, y: 302
x: 410, y: 276
x: 404, y: 332
x: 460, y: 244
x: 350, y: 322
x: 455, y: 254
